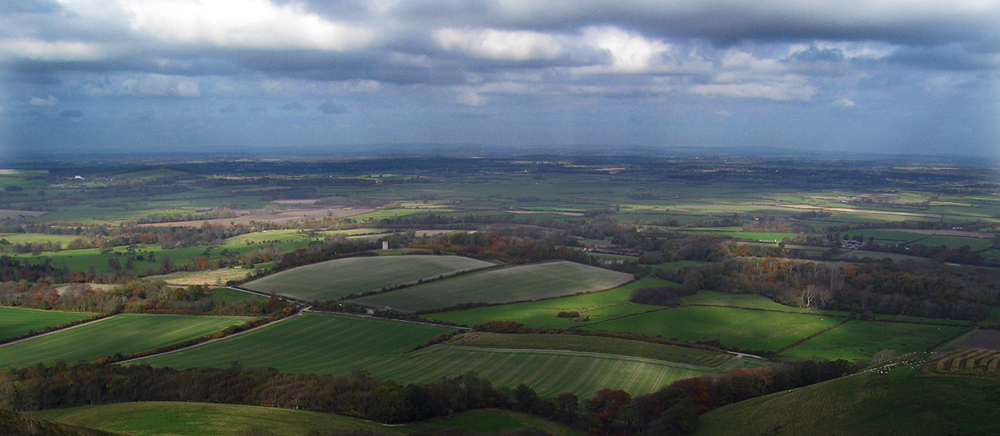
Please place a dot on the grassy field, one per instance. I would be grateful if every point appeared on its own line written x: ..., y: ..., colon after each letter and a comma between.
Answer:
x: 127, y: 333
x: 746, y: 329
x: 862, y: 339
x: 342, y: 277
x: 890, y: 400
x: 749, y: 301
x: 207, y: 419
x: 337, y: 344
x: 16, y: 321
x: 596, y: 306
x: 594, y: 344
x: 528, y: 282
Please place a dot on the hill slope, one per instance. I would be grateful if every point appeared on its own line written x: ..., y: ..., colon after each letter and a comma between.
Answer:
x: 889, y: 400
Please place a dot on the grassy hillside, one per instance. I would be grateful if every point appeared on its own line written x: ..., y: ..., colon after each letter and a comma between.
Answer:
x: 17, y: 424
x: 888, y: 400
x: 127, y: 333
x: 203, y: 419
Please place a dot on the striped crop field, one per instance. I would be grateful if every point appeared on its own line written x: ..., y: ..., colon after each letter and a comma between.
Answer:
x: 975, y: 363
x: 338, y: 344
x: 594, y: 344
x: 343, y: 277
x: 862, y: 339
x: 520, y: 283
x: 16, y: 321
x: 127, y: 333
x: 742, y: 328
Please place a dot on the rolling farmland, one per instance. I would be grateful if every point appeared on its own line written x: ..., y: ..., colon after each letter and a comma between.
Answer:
x: 528, y: 282
x: 343, y: 277
x: 127, y: 333
x: 337, y: 344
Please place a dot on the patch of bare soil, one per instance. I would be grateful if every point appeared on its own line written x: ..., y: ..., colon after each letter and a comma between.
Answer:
x: 14, y: 213
x: 983, y: 340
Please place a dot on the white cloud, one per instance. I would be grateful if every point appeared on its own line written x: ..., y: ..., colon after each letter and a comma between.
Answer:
x: 630, y: 53
x: 51, y: 51
x: 844, y: 102
x: 470, y: 97
x: 778, y: 91
x: 501, y: 44
x: 48, y: 101
x: 242, y: 24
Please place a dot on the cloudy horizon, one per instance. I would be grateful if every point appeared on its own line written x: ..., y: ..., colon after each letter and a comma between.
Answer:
x: 896, y: 77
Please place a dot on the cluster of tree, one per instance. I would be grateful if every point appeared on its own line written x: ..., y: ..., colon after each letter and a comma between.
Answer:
x: 905, y: 288
x: 12, y: 269
x: 215, y: 213
x: 135, y: 296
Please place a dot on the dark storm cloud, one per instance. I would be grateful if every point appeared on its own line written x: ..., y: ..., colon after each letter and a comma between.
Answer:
x: 71, y: 113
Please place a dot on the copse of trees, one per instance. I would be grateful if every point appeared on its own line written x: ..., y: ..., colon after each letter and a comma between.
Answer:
x: 135, y: 296
x: 905, y: 288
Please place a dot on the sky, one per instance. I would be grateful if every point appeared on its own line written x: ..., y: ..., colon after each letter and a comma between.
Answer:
x: 167, y: 76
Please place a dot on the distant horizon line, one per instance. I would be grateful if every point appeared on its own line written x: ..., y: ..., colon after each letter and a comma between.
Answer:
x: 417, y: 150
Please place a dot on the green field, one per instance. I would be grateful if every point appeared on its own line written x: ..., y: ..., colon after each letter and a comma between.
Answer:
x: 16, y: 321
x: 208, y: 419
x: 862, y: 339
x: 594, y: 344
x: 749, y: 301
x: 127, y: 333
x: 528, y: 282
x: 888, y: 400
x: 337, y: 344
x: 343, y: 277
x: 596, y: 306
x: 742, y: 328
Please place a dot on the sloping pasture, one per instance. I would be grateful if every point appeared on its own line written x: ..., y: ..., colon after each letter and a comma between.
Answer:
x: 528, y: 282
x: 338, y: 344
x: 16, y: 321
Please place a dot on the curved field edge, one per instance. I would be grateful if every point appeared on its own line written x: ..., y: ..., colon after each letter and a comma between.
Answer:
x: 594, y: 344
x: 342, y: 277
x: 15, y: 321
x: 207, y: 419
x: 891, y: 399
x: 505, y: 285
x: 338, y: 344
x: 126, y: 333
